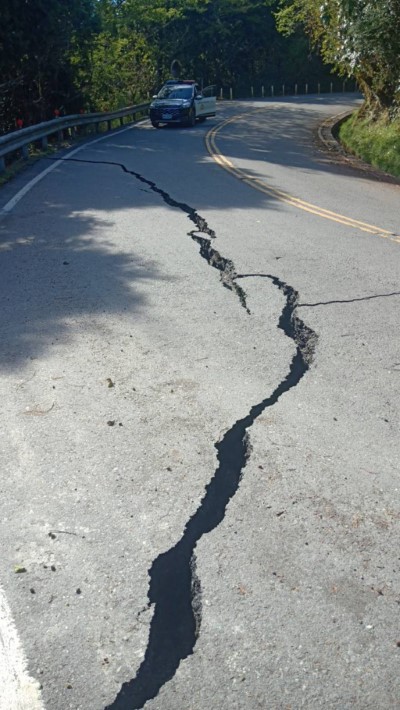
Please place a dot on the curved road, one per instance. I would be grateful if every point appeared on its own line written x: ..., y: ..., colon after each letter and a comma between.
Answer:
x: 200, y: 425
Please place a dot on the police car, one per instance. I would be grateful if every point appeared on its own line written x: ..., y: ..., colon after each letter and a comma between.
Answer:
x: 182, y: 102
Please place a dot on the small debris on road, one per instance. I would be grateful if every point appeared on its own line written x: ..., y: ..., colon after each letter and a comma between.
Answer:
x: 36, y: 411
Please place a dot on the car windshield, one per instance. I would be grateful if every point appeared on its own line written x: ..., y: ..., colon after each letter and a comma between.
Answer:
x: 176, y: 92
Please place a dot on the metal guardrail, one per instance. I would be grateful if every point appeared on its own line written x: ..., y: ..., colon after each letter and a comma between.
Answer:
x: 23, y: 137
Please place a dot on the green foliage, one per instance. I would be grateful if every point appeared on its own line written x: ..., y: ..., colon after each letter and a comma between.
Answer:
x: 122, y: 72
x: 101, y: 54
x: 360, y: 38
x: 224, y: 42
x: 38, y: 39
x: 375, y: 141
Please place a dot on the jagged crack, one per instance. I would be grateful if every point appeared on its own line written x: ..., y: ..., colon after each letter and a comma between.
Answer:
x: 193, y: 215
x: 228, y: 273
x: 211, y: 255
x: 289, y: 322
x: 349, y: 300
x: 175, y: 623
x: 174, y: 589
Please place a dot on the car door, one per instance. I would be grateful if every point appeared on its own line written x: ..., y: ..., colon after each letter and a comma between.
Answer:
x: 206, y: 103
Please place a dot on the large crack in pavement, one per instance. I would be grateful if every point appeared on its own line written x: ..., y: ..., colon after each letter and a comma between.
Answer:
x: 211, y: 255
x: 174, y: 589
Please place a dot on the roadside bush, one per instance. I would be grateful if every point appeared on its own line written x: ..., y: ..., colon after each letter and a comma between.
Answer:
x: 375, y: 141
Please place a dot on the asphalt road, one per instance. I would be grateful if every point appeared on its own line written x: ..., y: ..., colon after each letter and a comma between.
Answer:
x: 199, y: 386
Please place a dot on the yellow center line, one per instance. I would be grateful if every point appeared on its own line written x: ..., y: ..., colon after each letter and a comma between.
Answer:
x: 262, y: 186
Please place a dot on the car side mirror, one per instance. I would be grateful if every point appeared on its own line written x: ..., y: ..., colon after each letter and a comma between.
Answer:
x: 198, y: 96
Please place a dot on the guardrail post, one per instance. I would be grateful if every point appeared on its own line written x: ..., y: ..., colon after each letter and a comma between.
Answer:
x: 109, y: 125
x: 272, y: 90
x: 319, y: 88
x: 19, y: 142
x: 331, y: 87
x: 262, y: 91
x: 306, y: 88
x: 231, y: 93
x: 295, y: 89
x: 252, y: 92
x: 283, y: 89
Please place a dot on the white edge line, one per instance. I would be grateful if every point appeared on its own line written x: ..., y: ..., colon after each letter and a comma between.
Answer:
x: 14, y: 200
x: 19, y: 691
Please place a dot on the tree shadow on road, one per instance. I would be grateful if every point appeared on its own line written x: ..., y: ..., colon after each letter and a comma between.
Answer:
x: 52, y: 278
x: 54, y: 267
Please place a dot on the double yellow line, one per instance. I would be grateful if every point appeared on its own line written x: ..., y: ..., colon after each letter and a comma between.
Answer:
x: 282, y: 196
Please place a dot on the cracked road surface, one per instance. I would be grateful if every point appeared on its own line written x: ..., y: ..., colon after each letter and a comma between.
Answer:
x: 199, y: 452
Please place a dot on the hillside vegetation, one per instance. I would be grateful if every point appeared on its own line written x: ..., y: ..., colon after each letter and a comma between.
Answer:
x: 360, y: 38
x: 375, y: 141
x: 59, y: 57
x: 75, y: 55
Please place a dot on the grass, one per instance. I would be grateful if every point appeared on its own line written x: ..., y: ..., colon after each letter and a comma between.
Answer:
x: 375, y: 141
x: 20, y: 164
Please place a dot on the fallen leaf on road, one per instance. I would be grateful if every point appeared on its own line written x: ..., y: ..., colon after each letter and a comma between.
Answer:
x: 18, y: 569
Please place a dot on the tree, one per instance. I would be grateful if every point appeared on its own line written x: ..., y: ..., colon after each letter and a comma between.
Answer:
x: 361, y: 38
x: 102, y: 54
x: 41, y: 44
x: 224, y: 42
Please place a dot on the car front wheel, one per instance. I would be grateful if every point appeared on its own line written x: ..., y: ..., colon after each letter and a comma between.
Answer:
x: 191, y: 119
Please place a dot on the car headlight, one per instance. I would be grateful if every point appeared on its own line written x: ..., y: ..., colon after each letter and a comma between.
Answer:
x: 186, y: 104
